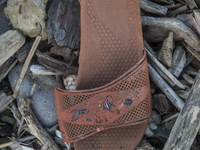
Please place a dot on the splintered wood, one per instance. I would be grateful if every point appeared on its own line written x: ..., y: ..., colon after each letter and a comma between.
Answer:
x: 10, y: 42
x: 166, y: 89
x: 188, y: 123
x: 26, y: 64
x: 34, y: 125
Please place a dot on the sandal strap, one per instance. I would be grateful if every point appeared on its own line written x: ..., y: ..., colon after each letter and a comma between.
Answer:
x: 123, y: 102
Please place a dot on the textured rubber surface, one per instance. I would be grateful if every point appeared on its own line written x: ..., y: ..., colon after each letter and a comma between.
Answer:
x: 111, y: 39
x: 123, y: 102
x: 111, y: 45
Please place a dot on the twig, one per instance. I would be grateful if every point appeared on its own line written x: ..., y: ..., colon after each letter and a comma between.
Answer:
x: 187, y: 78
x: 32, y: 89
x: 165, y: 88
x: 20, y: 127
x: 170, y: 118
x: 168, y: 75
x: 26, y: 64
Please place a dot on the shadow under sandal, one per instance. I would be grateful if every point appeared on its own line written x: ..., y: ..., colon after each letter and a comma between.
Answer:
x: 111, y: 105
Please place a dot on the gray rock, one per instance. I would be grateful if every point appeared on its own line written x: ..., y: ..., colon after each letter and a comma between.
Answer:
x: 162, y: 104
x: 43, y: 97
x: 4, y: 22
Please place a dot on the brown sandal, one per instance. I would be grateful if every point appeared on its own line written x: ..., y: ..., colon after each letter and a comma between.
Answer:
x: 112, y: 102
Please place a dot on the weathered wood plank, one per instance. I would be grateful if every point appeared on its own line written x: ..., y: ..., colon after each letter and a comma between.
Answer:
x: 10, y: 43
x: 165, y: 88
x: 177, y: 27
x: 54, y: 64
x: 153, y: 8
x: 188, y: 123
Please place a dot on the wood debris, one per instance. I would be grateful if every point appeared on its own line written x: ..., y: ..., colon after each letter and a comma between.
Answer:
x: 153, y: 8
x: 178, y: 63
x: 171, y: 32
x: 34, y: 126
x: 10, y: 42
x: 188, y: 123
x: 165, y: 53
x: 26, y: 64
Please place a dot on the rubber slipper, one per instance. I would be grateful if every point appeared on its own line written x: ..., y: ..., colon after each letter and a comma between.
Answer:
x: 111, y: 105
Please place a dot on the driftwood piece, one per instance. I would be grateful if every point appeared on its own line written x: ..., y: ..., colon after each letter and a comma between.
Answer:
x: 192, y: 51
x: 26, y: 64
x: 63, y: 25
x: 189, y: 58
x: 164, y: 76
x: 190, y: 70
x: 177, y: 27
x: 165, y: 53
x: 5, y: 101
x: 34, y: 125
x: 191, y: 4
x: 10, y: 43
x: 165, y: 88
x: 16, y: 113
x: 174, y: 6
x: 6, y: 67
x: 148, y: 47
x: 188, y: 123
x: 187, y: 78
x: 153, y: 8
x: 177, y: 11
x: 194, y: 22
x: 159, y: 33
x: 54, y: 64
x: 28, y: 16
x: 164, y: 1
x: 41, y: 70
x: 23, y: 52
x: 184, y: 93
x: 162, y: 70
x: 170, y: 118
x: 179, y: 60
x: 197, y: 16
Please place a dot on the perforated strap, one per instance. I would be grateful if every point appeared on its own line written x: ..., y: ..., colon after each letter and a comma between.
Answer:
x: 125, y: 101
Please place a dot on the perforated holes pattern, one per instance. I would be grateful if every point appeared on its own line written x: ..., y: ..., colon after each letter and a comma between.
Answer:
x: 107, y: 139
x: 116, y: 57
x: 139, y: 112
x: 74, y: 130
